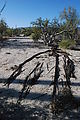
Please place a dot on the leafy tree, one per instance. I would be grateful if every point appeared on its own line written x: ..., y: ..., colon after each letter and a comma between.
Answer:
x: 45, y: 31
x: 70, y: 21
x: 37, y: 29
x: 36, y: 33
x: 9, y: 32
x: 40, y: 29
x: 27, y: 31
x: 37, y: 23
x: 55, y: 28
x: 3, y: 28
x: 16, y: 32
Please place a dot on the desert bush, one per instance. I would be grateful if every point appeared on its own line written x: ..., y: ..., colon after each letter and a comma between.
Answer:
x: 67, y: 43
x: 36, y: 34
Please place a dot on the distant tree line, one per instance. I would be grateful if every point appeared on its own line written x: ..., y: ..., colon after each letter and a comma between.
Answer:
x: 64, y: 28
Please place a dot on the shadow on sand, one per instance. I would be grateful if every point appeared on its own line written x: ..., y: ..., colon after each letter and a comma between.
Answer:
x: 12, y: 93
x: 21, y: 44
x: 11, y: 111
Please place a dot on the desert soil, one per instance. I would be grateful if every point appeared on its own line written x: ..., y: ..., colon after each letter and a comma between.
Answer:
x: 36, y: 106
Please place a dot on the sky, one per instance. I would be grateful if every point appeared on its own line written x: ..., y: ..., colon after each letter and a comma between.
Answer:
x: 20, y: 13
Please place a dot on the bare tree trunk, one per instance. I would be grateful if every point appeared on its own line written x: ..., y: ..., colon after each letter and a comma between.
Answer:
x: 55, y: 86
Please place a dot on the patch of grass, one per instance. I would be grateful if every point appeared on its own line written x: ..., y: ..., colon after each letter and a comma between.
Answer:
x: 67, y: 44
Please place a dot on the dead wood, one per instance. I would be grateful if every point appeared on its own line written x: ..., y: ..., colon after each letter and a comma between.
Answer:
x: 56, y: 77
x: 69, y: 69
x: 18, y: 71
x: 47, y: 67
x: 50, y: 70
x: 29, y: 82
x: 3, y: 8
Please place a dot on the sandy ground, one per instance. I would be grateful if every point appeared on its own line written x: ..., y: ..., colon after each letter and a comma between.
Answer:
x: 36, y: 106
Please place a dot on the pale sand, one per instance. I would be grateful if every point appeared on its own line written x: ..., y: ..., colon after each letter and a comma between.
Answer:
x: 39, y: 99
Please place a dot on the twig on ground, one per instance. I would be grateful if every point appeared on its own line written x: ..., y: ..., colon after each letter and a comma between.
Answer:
x: 50, y: 70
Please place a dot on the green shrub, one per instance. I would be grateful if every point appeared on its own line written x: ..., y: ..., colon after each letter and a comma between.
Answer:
x: 36, y: 34
x: 66, y: 44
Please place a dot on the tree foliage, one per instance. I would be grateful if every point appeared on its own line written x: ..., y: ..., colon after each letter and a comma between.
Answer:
x: 36, y: 33
x: 70, y: 21
x: 3, y: 28
x: 46, y: 29
x: 53, y: 31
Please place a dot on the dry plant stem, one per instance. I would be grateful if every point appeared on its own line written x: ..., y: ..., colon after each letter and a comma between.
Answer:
x: 3, y: 8
x: 18, y: 71
x: 24, y: 85
x: 29, y: 82
x: 67, y: 72
x: 69, y: 68
x: 33, y: 82
x: 55, y: 85
x: 50, y: 70
x: 29, y: 59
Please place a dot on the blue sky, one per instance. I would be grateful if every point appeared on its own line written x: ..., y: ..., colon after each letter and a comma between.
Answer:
x: 20, y: 13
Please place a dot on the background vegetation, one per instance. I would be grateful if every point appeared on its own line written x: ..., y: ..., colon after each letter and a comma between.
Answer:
x: 63, y: 30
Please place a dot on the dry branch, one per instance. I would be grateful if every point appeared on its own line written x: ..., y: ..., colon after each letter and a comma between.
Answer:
x: 50, y: 70
x: 3, y: 7
x: 58, y: 100
x: 56, y: 76
x: 29, y: 82
x: 69, y: 69
x: 65, y: 98
x: 18, y: 71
